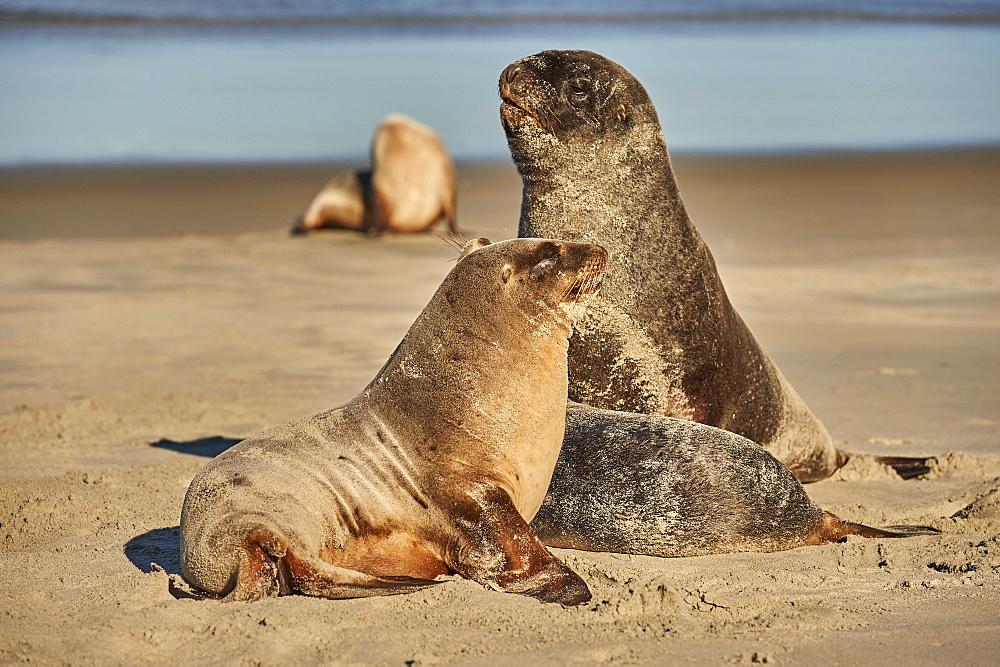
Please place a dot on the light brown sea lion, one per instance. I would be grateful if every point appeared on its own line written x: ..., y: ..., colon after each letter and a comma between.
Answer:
x: 660, y: 486
x: 411, y: 185
x: 340, y: 204
x: 413, y: 178
x: 662, y: 337
x: 433, y: 469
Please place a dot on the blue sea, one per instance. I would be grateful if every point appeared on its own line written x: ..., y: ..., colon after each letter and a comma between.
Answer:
x: 113, y: 81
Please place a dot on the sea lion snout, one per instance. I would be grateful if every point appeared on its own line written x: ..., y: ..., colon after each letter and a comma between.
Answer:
x: 517, y: 91
x: 510, y: 74
x: 582, y: 265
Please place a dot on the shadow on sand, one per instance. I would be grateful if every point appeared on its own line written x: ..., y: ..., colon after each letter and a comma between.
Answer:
x: 209, y: 447
x: 160, y: 545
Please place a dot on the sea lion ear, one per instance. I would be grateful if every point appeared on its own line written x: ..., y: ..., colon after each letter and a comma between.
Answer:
x: 506, y: 273
x: 621, y: 112
x: 474, y: 244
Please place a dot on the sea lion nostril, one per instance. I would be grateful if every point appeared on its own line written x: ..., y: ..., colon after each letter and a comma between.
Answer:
x: 511, y: 73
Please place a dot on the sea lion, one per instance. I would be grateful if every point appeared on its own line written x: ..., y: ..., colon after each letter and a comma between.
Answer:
x: 435, y: 468
x: 660, y: 486
x: 662, y: 337
x: 410, y: 186
x: 340, y: 204
x: 413, y: 178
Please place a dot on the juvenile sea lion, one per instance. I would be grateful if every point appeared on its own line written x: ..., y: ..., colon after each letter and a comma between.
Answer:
x: 340, y: 204
x: 660, y: 486
x: 435, y: 468
x: 662, y: 337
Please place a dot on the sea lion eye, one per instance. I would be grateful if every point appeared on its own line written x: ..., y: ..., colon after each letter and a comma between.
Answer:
x: 543, y: 267
x: 578, y: 88
x: 550, y: 257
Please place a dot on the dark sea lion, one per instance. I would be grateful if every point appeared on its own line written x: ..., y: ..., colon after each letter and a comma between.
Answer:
x: 433, y: 469
x: 660, y: 486
x: 662, y: 337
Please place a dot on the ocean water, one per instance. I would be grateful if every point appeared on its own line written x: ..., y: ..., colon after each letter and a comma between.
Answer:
x: 305, y: 80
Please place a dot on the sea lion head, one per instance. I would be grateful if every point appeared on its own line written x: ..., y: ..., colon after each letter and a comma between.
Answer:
x: 570, y: 101
x: 535, y: 274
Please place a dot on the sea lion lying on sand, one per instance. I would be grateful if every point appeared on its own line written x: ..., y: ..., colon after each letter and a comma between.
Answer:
x: 341, y: 204
x: 655, y: 485
x: 435, y: 468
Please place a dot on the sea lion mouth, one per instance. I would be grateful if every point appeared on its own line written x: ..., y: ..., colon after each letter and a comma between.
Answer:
x: 513, y: 115
x: 588, y: 279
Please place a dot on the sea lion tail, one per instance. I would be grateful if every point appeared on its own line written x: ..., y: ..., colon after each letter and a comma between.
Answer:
x: 833, y: 529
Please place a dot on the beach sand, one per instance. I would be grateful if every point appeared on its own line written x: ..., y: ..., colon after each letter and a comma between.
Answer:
x: 154, y: 316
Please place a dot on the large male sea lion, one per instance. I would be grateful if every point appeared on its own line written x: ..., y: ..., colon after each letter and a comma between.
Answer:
x: 662, y: 337
x: 410, y: 186
x: 660, y: 486
x: 433, y: 469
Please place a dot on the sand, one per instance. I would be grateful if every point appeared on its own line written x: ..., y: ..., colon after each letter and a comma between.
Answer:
x: 154, y: 316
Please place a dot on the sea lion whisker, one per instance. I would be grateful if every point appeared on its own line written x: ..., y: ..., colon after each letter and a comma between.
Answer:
x: 456, y: 240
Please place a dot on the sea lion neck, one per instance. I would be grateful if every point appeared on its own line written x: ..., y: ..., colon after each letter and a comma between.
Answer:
x: 466, y: 369
x: 619, y: 193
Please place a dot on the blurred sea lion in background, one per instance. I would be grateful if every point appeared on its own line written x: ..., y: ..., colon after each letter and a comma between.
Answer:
x: 662, y: 336
x: 340, y: 204
x: 410, y: 186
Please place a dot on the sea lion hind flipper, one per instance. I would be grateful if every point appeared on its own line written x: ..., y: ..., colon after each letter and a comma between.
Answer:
x: 268, y: 568
x: 833, y: 529
x: 499, y: 550
x: 907, y: 467
x: 906, y: 531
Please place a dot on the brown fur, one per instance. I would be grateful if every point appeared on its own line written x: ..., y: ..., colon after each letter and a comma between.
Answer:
x: 662, y: 338
x: 413, y: 178
x: 341, y: 204
x: 433, y: 469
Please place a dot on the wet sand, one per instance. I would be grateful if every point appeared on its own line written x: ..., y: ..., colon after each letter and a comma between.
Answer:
x: 153, y: 316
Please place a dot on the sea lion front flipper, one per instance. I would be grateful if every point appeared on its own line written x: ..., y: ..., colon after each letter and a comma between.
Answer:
x: 497, y: 549
x: 269, y: 568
